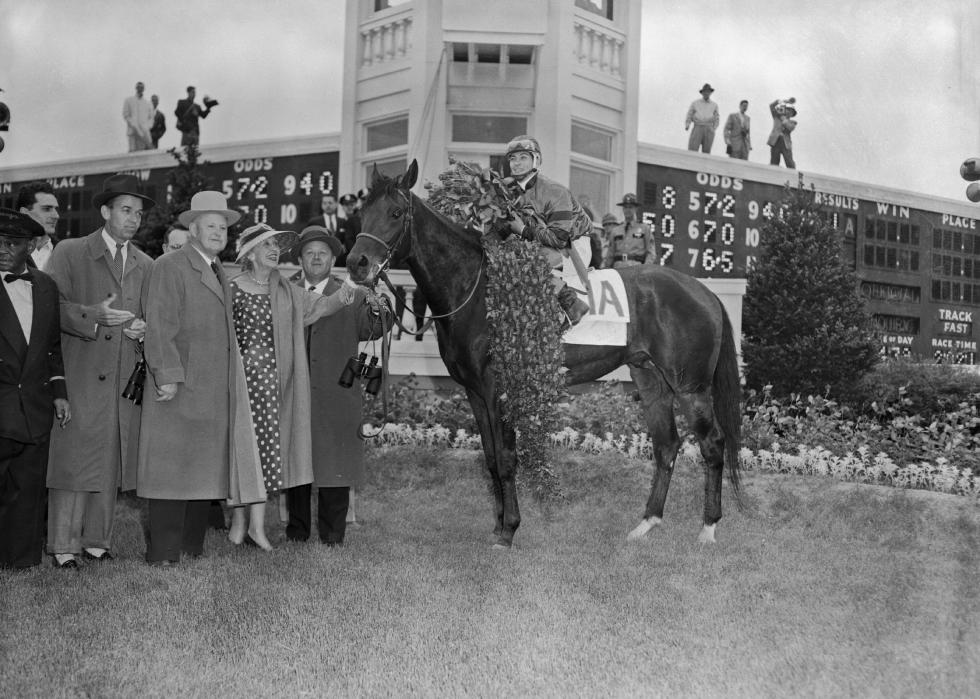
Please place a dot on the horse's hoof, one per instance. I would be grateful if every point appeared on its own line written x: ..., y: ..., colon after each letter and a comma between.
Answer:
x: 707, y: 535
x: 502, y: 544
x: 642, y: 528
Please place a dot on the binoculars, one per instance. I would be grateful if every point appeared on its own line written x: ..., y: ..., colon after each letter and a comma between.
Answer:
x: 134, y: 387
x: 210, y: 102
x: 356, y: 368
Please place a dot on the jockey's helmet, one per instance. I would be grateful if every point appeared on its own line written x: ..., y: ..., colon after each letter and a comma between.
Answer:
x: 525, y: 144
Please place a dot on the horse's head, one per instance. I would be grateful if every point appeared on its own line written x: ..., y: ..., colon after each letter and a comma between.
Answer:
x: 386, y: 222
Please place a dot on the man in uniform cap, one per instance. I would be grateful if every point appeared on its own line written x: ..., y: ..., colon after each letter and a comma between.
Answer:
x: 632, y: 242
x: 32, y: 390
x: 99, y: 278
x: 703, y: 113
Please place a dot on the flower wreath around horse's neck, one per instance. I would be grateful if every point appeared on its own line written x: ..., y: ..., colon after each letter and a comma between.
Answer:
x: 522, y: 310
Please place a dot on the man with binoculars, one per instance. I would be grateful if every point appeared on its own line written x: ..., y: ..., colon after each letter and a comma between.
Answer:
x: 332, y: 348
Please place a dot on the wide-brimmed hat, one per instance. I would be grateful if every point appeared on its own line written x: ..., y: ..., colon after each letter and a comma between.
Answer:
x: 706, y: 86
x: 120, y: 184
x: 312, y: 233
x: 610, y: 219
x: 14, y: 224
x: 209, y: 203
x: 629, y: 199
x: 259, y: 233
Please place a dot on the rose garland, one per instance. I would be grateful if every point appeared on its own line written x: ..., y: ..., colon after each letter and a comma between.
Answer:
x: 522, y: 310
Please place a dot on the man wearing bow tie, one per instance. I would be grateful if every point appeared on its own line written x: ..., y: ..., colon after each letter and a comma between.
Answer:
x: 32, y: 390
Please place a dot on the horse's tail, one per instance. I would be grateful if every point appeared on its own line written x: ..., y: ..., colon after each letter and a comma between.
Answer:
x: 727, y: 396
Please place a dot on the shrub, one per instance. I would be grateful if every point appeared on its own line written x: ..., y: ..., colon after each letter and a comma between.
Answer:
x: 804, y: 324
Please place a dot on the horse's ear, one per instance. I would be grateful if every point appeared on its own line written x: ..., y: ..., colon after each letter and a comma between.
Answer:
x: 375, y: 176
x: 411, y: 175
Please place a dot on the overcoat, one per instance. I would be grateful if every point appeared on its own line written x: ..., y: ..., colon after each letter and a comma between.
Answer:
x: 338, y: 453
x: 292, y: 309
x: 201, y: 444
x: 102, y: 435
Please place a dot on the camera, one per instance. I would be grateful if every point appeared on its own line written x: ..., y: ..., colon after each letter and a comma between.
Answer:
x: 354, y: 368
x: 373, y: 375
x: 134, y: 387
x: 210, y: 102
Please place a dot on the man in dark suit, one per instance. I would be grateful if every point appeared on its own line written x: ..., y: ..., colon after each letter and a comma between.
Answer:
x: 188, y: 113
x: 159, y: 126
x: 335, y: 224
x: 32, y: 390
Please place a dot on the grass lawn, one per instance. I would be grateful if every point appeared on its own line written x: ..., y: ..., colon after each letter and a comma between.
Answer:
x: 817, y: 588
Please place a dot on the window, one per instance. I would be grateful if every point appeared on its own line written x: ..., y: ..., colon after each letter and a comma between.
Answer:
x: 395, y: 167
x: 387, y: 134
x: 592, y: 142
x: 590, y: 185
x: 522, y: 54
x: 487, y: 128
x: 385, y: 4
x: 603, y: 8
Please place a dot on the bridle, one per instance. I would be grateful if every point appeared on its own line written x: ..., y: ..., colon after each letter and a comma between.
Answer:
x: 408, y: 224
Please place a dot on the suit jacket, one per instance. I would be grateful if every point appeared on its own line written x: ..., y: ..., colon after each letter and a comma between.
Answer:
x: 159, y: 125
x: 343, y: 231
x: 100, y: 439
x: 200, y: 445
x: 736, y: 135
x: 782, y: 126
x: 27, y: 392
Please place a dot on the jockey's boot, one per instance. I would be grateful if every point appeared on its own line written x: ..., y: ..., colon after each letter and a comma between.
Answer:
x: 574, y: 307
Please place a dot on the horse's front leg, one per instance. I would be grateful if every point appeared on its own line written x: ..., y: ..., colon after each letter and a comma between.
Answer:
x: 499, y: 449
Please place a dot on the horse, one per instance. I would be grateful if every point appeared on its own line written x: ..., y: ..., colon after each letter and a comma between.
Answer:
x: 679, y: 346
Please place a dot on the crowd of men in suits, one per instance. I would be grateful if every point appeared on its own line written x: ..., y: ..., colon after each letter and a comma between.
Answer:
x: 78, y: 321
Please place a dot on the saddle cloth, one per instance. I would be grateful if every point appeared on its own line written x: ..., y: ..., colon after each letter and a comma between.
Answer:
x: 609, y: 317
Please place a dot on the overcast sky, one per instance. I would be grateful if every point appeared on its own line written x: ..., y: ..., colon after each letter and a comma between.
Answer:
x: 887, y: 89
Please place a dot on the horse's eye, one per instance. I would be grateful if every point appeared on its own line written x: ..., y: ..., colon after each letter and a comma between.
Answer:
x: 397, y: 213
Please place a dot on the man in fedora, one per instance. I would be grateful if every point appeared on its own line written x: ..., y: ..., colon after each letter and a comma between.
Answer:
x: 703, y: 113
x: 32, y: 390
x: 338, y: 453
x: 631, y: 242
x: 780, y: 139
x: 196, y: 443
x: 99, y: 278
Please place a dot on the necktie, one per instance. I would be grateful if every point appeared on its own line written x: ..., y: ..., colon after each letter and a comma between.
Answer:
x: 214, y: 268
x: 312, y: 286
x: 117, y: 262
x: 26, y: 276
x: 333, y: 223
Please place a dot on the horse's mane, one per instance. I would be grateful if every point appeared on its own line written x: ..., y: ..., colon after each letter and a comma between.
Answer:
x: 384, y: 186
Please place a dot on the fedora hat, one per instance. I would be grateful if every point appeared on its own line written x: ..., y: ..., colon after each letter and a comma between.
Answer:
x: 209, y: 203
x: 119, y: 184
x: 706, y: 86
x: 629, y: 200
x: 312, y: 233
x: 261, y: 232
x: 14, y: 224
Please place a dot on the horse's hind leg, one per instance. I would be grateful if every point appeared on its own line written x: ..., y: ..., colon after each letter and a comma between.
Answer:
x: 711, y: 439
x: 658, y: 406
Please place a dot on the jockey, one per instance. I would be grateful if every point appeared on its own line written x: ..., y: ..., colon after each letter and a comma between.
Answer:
x: 562, y: 222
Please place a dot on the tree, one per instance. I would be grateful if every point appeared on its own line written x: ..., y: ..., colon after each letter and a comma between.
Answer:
x: 804, y: 325
x: 185, y: 180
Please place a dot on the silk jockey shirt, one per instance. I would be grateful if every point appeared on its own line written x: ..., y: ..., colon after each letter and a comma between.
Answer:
x: 563, y: 218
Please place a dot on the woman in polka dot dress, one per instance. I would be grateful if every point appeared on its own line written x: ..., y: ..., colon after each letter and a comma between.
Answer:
x: 269, y: 316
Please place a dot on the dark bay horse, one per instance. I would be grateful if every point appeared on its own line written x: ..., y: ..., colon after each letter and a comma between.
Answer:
x: 679, y: 346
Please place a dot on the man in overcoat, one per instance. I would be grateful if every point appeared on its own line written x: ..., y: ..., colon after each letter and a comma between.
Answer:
x: 196, y: 441
x: 338, y: 453
x: 99, y: 278
x: 32, y: 390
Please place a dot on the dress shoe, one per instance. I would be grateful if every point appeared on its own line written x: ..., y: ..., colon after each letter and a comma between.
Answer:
x: 106, y: 556
x: 166, y: 563
x: 249, y: 541
x: 69, y: 564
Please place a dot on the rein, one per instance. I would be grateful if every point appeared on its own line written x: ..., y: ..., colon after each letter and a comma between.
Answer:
x: 385, y: 264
